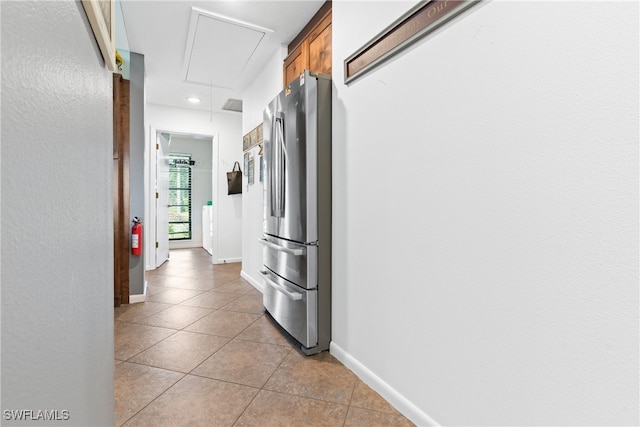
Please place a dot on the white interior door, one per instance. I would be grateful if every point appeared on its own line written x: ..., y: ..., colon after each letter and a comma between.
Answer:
x: 162, y: 197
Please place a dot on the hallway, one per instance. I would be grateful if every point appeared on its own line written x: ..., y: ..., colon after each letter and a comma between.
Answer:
x: 201, y: 352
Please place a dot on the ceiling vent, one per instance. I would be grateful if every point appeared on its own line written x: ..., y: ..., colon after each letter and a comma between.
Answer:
x: 233, y: 105
x: 219, y: 48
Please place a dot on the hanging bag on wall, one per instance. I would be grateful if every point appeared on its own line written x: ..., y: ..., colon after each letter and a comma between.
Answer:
x: 234, y: 179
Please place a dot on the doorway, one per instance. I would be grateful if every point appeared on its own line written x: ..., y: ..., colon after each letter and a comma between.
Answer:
x: 169, y: 204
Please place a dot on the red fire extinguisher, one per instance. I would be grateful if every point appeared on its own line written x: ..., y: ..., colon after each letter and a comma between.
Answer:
x: 136, y: 237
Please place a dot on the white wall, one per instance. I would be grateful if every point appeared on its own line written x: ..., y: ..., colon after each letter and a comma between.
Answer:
x: 485, y: 258
x: 57, y: 220
x: 137, y: 145
x: 255, y: 99
x: 226, y: 130
x: 200, y: 151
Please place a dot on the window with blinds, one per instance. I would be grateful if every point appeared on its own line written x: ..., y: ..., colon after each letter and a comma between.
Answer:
x: 179, y: 196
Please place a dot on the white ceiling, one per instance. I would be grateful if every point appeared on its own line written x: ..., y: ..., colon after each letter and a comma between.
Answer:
x: 212, y: 52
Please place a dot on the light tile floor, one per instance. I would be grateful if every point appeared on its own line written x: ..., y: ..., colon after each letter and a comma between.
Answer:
x: 201, y: 352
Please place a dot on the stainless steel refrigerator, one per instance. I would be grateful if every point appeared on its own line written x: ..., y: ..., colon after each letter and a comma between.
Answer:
x: 297, y: 218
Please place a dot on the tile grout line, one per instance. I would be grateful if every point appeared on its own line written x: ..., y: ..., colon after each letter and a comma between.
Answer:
x: 183, y: 330
x: 220, y: 336
x: 142, y: 318
x: 186, y: 326
x: 317, y: 399
x: 157, y: 397
x: 346, y: 415
x: 147, y: 348
x: 262, y: 386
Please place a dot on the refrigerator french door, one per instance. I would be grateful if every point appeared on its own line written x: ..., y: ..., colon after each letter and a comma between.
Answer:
x: 297, y: 223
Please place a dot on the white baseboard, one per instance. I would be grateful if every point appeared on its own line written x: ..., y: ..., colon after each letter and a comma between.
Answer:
x: 401, y: 403
x: 227, y: 260
x: 185, y: 244
x: 134, y: 299
x: 256, y: 284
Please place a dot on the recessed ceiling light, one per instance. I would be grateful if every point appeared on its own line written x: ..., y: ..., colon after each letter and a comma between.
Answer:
x: 193, y: 99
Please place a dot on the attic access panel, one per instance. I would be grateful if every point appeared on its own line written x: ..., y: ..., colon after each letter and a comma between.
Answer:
x: 219, y: 48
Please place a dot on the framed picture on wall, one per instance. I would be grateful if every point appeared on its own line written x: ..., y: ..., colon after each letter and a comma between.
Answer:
x: 102, y: 17
x: 246, y: 163
x: 250, y: 168
x: 259, y: 129
x: 254, y: 137
x: 261, y: 168
x: 245, y: 142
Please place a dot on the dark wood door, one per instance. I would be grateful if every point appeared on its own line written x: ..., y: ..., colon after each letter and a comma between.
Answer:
x: 121, y: 226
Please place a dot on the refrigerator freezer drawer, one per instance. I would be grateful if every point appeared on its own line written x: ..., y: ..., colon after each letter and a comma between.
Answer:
x: 292, y: 307
x: 295, y: 262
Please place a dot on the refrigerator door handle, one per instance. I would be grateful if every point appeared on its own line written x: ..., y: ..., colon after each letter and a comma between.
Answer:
x: 291, y: 295
x: 278, y: 170
x: 294, y: 252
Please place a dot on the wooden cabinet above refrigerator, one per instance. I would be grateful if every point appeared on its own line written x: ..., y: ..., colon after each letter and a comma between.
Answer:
x: 311, y: 49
